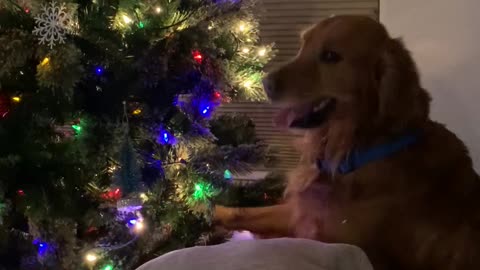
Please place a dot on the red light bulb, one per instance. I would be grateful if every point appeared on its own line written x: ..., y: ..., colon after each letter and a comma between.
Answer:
x: 112, y: 195
x: 217, y: 95
x: 197, y: 56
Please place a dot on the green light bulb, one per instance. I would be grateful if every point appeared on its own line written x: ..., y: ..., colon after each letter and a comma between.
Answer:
x: 141, y: 25
x: 108, y: 267
x: 200, y: 190
x: 77, y: 128
x: 227, y: 175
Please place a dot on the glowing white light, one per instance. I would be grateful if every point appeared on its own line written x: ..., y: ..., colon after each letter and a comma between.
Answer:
x: 242, y: 236
x: 242, y: 27
x: 245, y: 50
x: 139, y: 226
x: 247, y: 84
x: 158, y: 10
x: 90, y: 257
x: 126, y: 19
x: 262, y: 52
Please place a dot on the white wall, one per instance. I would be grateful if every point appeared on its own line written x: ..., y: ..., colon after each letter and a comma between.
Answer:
x: 444, y: 37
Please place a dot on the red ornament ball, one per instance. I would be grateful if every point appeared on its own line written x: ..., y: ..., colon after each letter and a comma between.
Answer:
x: 20, y: 192
x: 197, y: 56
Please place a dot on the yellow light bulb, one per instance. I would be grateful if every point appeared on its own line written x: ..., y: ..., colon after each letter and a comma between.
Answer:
x: 45, y: 61
x: 144, y: 197
x: 16, y: 99
x: 112, y: 169
x: 262, y: 52
x: 91, y: 258
x: 247, y: 84
x: 242, y: 27
x: 126, y: 19
x: 158, y: 10
x: 137, y: 112
x: 245, y: 50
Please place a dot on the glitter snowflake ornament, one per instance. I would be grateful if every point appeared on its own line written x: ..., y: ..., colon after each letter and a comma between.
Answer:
x: 52, y: 24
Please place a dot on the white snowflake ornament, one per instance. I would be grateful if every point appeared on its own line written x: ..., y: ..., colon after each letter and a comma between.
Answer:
x: 52, y: 24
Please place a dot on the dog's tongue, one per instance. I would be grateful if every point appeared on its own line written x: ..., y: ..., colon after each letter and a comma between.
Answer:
x: 285, y: 117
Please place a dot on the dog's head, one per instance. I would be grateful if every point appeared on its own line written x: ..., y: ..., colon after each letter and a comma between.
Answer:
x: 349, y: 79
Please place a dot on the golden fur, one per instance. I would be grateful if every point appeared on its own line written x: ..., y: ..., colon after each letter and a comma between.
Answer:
x: 417, y: 209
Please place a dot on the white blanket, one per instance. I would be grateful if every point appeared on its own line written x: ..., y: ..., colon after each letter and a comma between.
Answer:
x: 273, y: 254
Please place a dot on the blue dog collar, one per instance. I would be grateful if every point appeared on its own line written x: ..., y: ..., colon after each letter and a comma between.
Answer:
x: 358, y: 158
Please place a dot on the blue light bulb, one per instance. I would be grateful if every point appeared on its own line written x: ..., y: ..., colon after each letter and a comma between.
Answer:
x: 99, y: 71
x: 165, y: 137
x: 42, y: 248
x: 205, y: 111
x: 132, y: 221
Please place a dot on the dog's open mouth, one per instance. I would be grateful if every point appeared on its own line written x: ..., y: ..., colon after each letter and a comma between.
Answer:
x: 305, y: 115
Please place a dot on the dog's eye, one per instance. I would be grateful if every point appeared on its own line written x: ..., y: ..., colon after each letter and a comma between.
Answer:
x: 330, y: 57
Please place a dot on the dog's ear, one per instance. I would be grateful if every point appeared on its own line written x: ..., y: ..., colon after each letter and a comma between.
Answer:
x: 403, y: 104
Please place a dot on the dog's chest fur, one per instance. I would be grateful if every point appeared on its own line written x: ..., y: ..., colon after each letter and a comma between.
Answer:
x: 411, y: 207
x: 347, y: 209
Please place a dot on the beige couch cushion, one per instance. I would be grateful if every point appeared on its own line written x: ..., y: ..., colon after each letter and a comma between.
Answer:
x: 273, y: 254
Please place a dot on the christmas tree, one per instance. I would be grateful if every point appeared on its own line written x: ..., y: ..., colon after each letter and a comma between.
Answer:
x: 106, y: 154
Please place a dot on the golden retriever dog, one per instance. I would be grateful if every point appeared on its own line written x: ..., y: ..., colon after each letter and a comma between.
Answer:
x: 376, y: 171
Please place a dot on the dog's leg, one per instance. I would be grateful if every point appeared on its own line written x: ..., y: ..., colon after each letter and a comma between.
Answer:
x: 273, y: 220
